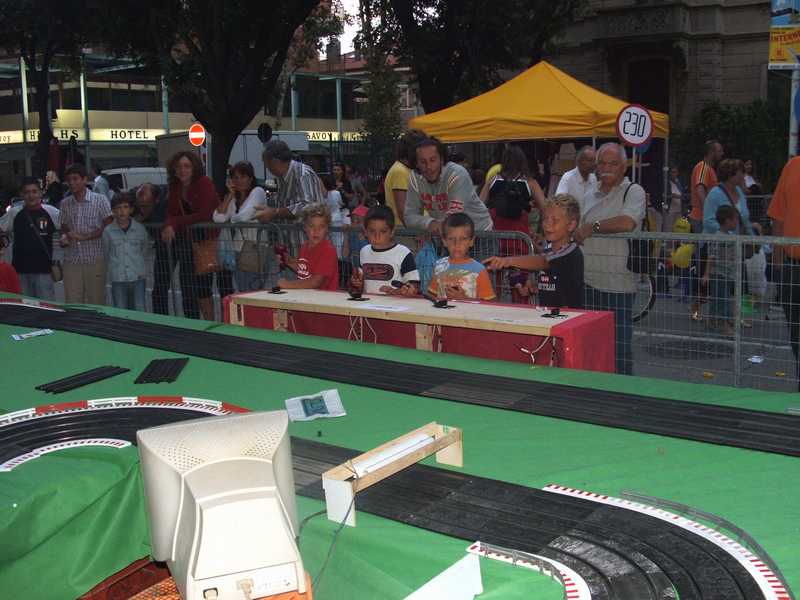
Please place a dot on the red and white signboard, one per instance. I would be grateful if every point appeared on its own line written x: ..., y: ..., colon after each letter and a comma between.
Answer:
x: 634, y: 125
x: 197, y: 134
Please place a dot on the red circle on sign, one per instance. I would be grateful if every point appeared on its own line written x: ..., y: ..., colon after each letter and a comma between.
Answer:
x: 197, y: 134
x: 640, y: 111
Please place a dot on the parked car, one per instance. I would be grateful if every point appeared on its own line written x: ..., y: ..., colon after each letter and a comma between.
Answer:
x: 131, y: 178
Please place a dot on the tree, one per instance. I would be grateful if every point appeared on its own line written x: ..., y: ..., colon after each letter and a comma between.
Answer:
x: 222, y: 58
x: 459, y: 49
x: 382, y: 122
x: 41, y: 32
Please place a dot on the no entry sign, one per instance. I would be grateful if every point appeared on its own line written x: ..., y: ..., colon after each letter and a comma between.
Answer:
x: 197, y: 134
x: 635, y: 125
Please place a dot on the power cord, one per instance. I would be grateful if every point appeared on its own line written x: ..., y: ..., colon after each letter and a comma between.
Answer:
x: 333, y: 543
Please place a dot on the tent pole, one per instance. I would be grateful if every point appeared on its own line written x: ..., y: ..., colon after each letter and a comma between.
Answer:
x: 594, y: 142
x: 633, y: 166
x: 667, y: 193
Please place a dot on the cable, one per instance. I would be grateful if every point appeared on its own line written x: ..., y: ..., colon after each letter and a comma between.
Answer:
x: 306, y: 520
x: 333, y: 544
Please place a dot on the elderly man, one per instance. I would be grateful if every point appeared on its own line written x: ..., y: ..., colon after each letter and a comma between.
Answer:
x: 298, y: 184
x: 151, y: 205
x: 581, y: 180
x: 617, y: 206
x: 438, y: 187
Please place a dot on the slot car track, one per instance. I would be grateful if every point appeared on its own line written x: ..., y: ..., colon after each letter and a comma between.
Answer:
x: 743, y: 428
x: 619, y: 554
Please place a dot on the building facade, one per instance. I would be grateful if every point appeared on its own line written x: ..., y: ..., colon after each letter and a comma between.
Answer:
x: 671, y: 56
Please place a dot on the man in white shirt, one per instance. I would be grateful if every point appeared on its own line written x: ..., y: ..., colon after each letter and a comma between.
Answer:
x: 580, y: 180
x: 616, y: 206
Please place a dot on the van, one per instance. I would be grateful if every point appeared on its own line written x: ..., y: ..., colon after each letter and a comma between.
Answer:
x: 130, y: 178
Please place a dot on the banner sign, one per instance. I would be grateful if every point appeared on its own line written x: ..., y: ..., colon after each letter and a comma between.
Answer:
x: 784, y: 35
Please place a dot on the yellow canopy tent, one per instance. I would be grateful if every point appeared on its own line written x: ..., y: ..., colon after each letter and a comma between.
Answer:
x: 543, y: 102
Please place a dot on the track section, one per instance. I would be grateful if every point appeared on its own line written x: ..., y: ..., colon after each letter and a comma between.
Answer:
x: 756, y: 430
x: 620, y: 554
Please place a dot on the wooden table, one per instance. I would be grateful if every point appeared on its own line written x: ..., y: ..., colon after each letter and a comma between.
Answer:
x: 574, y: 339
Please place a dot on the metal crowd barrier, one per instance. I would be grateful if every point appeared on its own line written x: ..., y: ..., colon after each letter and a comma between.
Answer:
x: 728, y: 320
x: 740, y: 336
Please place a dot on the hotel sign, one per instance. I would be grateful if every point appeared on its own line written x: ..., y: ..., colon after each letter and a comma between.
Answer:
x: 333, y: 136
x: 97, y: 135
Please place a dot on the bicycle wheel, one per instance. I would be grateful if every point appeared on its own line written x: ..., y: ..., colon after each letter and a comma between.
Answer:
x: 645, y: 297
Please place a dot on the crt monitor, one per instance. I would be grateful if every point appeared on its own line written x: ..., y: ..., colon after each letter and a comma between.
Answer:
x: 221, y: 505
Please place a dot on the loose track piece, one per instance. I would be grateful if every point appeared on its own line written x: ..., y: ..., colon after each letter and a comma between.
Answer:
x: 80, y: 379
x: 162, y: 370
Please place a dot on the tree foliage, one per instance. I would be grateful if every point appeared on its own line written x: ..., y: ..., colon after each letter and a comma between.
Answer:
x: 381, y: 112
x: 222, y: 58
x: 758, y: 131
x: 459, y: 49
x: 43, y: 32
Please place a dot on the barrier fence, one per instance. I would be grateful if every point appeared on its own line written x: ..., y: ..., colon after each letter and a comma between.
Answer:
x: 709, y: 308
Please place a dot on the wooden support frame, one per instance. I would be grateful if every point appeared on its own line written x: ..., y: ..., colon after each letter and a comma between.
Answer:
x: 342, y: 483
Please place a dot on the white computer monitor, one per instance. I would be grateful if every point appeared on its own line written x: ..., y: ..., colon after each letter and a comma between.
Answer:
x: 221, y: 505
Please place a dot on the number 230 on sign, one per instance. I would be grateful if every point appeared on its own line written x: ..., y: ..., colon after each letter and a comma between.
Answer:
x: 634, y: 125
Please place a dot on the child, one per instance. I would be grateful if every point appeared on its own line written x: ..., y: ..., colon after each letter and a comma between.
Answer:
x: 386, y: 266
x: 721, y: 271
x: 125, y: 242
x: 457, y: 276
x: 317, y: 266
x: 560, y: 279
x: 355, y: 239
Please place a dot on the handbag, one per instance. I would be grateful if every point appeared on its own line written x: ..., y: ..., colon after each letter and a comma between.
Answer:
x: 56, y: 272
x: 639, y: 251
x: 205, y: 256
x: 204, y: 252
x: 250, y: 259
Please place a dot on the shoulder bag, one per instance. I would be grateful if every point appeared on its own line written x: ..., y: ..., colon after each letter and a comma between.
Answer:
x: 56, y: 272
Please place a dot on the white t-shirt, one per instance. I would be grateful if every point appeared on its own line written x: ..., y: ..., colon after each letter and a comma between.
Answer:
x: 256, y: 199
x: 334, y: 202
x: 576, y: 186
x: 381, y: 267
x: 605, y: 259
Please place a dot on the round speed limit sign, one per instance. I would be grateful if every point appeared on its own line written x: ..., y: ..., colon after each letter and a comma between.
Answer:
x: 634, y: 125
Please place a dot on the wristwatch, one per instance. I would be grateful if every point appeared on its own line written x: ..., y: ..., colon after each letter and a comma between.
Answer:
x: 596, y: 227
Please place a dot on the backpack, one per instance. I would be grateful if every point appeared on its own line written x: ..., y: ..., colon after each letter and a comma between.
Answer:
x: 639, y: 251
x: 510, y: 199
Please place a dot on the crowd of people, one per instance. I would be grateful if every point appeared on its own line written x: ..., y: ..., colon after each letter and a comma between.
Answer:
x: 106, y: 236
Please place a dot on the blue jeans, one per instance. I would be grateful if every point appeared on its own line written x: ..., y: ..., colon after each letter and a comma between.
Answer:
x: 37, y: 285
x: 128, y: 294
x: 622, y: 307
x: 721, y: 292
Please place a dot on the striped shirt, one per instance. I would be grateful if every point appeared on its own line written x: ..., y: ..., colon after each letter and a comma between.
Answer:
x: 299, y: 187
x: 84, y: 217
x: 702, y: 174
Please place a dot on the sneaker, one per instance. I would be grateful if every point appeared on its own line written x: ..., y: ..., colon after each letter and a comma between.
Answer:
x: 696, y: 316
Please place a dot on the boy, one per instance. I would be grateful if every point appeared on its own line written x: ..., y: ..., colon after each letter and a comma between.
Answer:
x: 722, y: 266
x: 355, y: 240
x: 33, y: 225
x: 457, y: 276
x: 560, y: 279
x: 125, y: 242
x: 317, y: 267
x: 84, y: 215
x: 386, y: 266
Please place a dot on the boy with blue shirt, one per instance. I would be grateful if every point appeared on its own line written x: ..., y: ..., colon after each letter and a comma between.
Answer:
x: 125, y: 242
x: 458, y: 276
